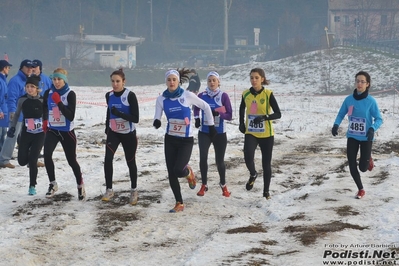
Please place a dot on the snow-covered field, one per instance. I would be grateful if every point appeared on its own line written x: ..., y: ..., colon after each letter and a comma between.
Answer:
x: 312, y: 214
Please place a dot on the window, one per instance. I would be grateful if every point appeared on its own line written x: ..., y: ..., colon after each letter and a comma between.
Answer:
x: 346, y: 20
x: 99, y: 47
x: 384, y: 20
x: 115, y: 47
x: 107, y: 47
x: 337, y: 18
x: 123, y: 47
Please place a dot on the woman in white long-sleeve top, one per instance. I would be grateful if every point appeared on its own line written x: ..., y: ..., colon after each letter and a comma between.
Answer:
x: 176, y: 103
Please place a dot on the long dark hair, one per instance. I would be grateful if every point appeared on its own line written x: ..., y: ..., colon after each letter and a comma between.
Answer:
x: 261, y: 73
x: 184, y: 74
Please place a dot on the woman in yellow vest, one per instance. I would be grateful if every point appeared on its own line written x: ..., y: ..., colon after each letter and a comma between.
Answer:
x: 259, y: 107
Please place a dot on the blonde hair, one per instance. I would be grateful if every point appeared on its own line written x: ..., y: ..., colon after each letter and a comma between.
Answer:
x: 61, y: 71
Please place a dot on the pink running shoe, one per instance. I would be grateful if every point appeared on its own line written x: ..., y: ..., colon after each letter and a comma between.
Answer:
x: 371, y: 164
x: 360, y: 194
x: 191, y: 178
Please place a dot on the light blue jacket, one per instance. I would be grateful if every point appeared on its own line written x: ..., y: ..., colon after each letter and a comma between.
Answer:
x: 362, y: 114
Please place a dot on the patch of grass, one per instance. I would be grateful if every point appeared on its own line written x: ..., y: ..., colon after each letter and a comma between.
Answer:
x: 379, y: 177
x: 304, y: 197
x: 345, y: 211
x: 256, y: 228
x: 299, y: 216
x: 308, y: 235
x: 29, y: 207
x: 112, y: 222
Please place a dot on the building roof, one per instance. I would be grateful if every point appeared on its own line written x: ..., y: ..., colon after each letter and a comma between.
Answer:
x: 101, y: 39
x: 386, y: 5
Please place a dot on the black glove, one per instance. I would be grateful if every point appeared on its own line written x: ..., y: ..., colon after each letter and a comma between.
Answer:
x: 370, y: 134
x: 215, y: 113
x: 259, y: 119
x: 212, y: 132
x: 157, y: 123
x: 115, y: 111
x: 11, y: 132
x: 242, y: 128
x: 197, y: 122
x: 334, y: 130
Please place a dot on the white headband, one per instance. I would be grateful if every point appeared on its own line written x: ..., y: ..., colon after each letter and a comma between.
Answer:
x: 213, y: 73
x: 172, y: 72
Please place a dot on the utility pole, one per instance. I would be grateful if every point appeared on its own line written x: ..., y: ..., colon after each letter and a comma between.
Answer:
x: 152, y: 33
x: 226, y: 29
x: 226, y: 34
x: 122, y: 8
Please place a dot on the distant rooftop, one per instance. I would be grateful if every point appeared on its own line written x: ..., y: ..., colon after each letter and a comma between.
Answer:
x: 103, y: 39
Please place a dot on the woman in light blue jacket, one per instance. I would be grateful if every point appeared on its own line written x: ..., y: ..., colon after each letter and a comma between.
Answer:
x: 364, y: 119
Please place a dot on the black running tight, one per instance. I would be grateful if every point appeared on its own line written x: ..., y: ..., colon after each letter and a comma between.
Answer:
x: 68, y: 142
x: 352, y: 148
x: 129, y: 144
x: 266, y: 147
x: 219, y: 145
x: 177, y: 155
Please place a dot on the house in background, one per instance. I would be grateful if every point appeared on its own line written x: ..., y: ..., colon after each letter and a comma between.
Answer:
x: 363, y: 20
x: 107, y: 51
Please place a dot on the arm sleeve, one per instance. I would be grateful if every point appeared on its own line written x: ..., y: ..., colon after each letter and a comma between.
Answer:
x: 45, y: 106
x: 158, y: 108
x: 196, y: 109
x: 276, y: 109
x: 242, y: 111
x: 12, y: 96
x: 341, y: 113
x: 17, y: 111
x: 108, y: 113
x: 69, y: 111
x: 228, y: 115
x: 375, y: 112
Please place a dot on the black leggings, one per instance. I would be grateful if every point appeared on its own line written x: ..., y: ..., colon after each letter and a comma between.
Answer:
x: 352, y: 148
x: 29, y: 149
x: 177, y: 155
x: 129, y: 144
x: 219, y: 145
x: 68, y: 142
x: 266, y: 147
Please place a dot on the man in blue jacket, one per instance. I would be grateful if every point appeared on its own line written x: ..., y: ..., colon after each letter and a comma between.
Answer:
x: 15, y: 89
x: 45, y: 81
x: 4, y: 68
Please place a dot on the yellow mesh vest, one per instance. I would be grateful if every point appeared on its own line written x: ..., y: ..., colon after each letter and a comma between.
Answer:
x: 257, y: 105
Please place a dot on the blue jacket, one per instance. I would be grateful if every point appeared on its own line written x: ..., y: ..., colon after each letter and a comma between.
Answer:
x: 16, y: 89
x: 3, y: 93
x: 45, y: 83
x: 362, y: 114
x: 3, y: 98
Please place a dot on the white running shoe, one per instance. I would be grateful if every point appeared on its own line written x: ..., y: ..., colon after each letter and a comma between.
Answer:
x: 134, y: 196
x: 52, y: 188
x: 109, y: 193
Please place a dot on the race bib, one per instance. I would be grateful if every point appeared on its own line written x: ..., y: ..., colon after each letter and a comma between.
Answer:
x: 119, y: 125
x: 255, y: 127
x: 357, y: 126
x: 56, y: 119
x: 177, y: 127
x: 34, y: 125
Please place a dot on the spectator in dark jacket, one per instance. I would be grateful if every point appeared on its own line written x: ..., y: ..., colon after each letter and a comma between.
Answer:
x: 194, y: 82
